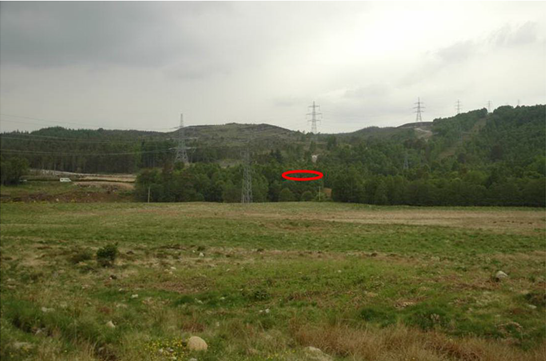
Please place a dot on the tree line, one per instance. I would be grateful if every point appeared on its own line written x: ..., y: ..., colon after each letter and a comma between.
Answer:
x: 484, y: 166
x: 472, y: 159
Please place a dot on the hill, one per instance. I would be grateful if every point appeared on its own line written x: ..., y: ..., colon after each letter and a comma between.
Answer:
x: 127, y: 151
x: 474, y: 158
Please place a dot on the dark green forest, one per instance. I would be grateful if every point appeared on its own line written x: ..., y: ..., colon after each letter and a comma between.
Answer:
x: 472, y: 159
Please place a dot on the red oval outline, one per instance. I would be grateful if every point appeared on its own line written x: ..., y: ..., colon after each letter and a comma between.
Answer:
x: 319, y: 175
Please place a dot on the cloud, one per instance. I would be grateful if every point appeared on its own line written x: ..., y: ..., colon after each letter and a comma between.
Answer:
x: 289, y: 102
x: 507, y: 36
x: 456, y: 56
x: 54, y: 34
x: 191, y: 69
x: 368, y: 91
x: 364, y: 63
x: 458, y: 52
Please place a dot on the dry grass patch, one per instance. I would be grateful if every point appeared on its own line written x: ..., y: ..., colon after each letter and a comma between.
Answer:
x: 399, y: 343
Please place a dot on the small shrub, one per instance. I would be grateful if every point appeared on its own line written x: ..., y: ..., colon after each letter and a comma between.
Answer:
x: 379, y: 315
x: 81, y: 256
x: 184, y: 300
x: 307, y: 196
x: 106, y: 256
x: 537, y: 298
x: 427, y: 317
x: 286, y: 195
x: 86, y: 268
x: 32, y: 276
x: 260, y: 295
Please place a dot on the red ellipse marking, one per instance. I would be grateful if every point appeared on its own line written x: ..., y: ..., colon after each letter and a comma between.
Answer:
x: 319, y: 175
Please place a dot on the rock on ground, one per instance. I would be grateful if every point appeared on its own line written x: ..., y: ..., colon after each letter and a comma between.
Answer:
x: 196, y: 343
x: 110, y: 324
x: 22, y: 346
x: 500, y: 275
x: 316, y: 354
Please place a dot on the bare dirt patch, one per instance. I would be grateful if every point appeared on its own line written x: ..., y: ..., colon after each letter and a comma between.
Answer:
x: 518, y: 221
x: 108, y: 185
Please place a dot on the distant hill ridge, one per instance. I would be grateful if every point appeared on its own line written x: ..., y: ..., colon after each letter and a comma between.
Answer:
x: 515, y: 135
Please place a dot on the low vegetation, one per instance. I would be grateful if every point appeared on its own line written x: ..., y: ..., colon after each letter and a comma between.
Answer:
x: 266, y: 281
x: 106, y: 256
x: 12, y: 169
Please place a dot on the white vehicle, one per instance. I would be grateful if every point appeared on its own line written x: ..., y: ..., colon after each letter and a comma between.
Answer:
x: 65, y: 180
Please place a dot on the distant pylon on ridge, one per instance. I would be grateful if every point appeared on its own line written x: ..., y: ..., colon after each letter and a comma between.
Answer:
x: 419, y: 106
x: 314, y: 114
x: 246, y: 191
x: 458, y: 107
x: 181, y: 149
x: 489, y: 106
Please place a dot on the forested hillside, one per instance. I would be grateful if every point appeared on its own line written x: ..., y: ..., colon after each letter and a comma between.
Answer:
x: 473, y: 158
x: 117, y: 151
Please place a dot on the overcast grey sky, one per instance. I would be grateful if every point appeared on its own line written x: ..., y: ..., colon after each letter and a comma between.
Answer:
x: 135, y: 65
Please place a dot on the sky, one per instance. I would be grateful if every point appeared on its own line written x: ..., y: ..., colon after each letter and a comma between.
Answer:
x: 138, y: 65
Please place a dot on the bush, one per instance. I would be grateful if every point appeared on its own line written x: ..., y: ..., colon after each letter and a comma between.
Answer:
x: 260, y: 295
x: 81, y: 256
x: 427, y: 317
x: 381, y: 315
x: 307, y: 196
x: 537, y: 298
x: 12, y: 169
x: 106, y: 255
x: 286, y: 195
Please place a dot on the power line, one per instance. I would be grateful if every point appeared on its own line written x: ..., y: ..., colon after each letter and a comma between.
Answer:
x: 84, y: 154
x: 72, y: 140
x: 64, y: 122
x: 135, y: 142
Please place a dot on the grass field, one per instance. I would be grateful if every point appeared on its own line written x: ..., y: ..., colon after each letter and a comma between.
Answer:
x: 265, y: 281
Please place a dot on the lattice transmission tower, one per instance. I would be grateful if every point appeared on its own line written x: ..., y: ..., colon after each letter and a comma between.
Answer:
x: 406, y: 161
x: 419, y: 106
x: 458, y: 106
x: 314, y: 114
x: 246, y: 192
x: 181, y: 149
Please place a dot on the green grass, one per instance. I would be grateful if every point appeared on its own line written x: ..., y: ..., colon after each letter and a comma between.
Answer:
x: 265, y: 268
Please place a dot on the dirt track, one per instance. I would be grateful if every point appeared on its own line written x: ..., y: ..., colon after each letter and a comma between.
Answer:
x: 105, y: 184
x: 512, y: 221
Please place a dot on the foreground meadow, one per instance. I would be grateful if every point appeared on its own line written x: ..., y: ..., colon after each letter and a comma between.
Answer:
x: 265, y: 281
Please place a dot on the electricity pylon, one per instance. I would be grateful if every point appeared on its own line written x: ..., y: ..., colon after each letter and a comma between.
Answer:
x: 406, y: 161
x: 181, y: 149
x: 419, y: 110
x: 458, y: 106
x: 246, y: 192
x: 314, y: 119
